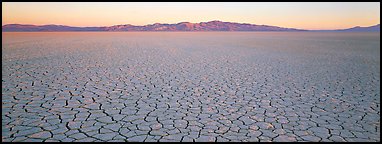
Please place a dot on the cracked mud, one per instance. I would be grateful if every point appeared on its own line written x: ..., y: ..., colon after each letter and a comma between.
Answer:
x: 211, y: 86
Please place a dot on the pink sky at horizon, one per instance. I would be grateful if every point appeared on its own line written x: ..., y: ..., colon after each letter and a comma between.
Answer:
x: 292, y: 15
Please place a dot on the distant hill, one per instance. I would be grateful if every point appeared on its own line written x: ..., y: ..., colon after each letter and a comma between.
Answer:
x: 183, y: 26
x: 375, y: 28
x: 31, y: 28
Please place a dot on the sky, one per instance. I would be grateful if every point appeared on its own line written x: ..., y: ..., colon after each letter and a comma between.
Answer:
x: 313, y: 16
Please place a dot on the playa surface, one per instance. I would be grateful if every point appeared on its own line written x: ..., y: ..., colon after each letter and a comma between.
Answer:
x: 190, y: 86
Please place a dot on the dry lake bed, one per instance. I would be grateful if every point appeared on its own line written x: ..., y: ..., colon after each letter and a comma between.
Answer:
x: 190, y: 86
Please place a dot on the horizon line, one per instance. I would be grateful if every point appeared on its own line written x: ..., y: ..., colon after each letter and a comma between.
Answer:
x: 189, y: 22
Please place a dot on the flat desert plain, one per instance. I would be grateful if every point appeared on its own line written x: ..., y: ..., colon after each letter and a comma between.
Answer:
x: 190, y: 86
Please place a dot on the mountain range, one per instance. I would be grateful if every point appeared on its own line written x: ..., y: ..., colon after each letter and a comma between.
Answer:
x: 182, y: 26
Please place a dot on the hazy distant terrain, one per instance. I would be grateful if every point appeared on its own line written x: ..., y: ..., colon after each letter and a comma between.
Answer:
x: 363, y: 29
x: 200, y: 86
x: 183, y: 26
